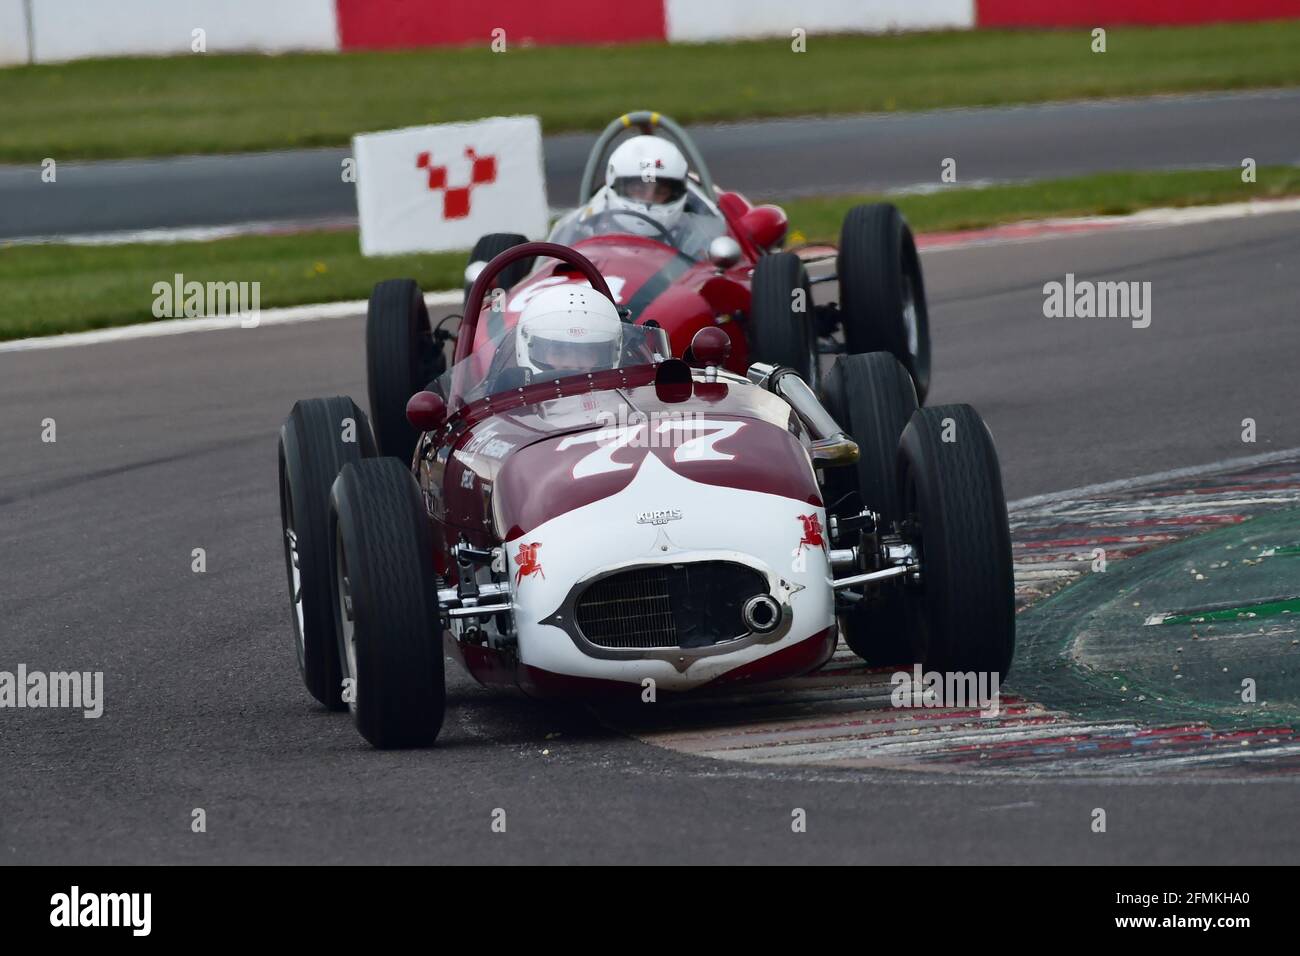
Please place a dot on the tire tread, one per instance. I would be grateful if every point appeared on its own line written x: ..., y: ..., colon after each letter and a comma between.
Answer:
x: 777, y: 333
x: 966, y: 605
x: 395, y: 319
x: 400, y: 680
x: 312, y: 436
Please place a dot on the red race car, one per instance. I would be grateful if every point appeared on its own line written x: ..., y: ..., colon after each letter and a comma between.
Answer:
x: 680, y: 254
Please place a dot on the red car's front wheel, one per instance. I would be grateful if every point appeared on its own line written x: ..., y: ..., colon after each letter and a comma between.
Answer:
x: 782, y: 329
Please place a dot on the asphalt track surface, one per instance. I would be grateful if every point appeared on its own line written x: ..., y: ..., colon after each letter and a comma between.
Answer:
x: 771, y: 159
x: 168, y: 444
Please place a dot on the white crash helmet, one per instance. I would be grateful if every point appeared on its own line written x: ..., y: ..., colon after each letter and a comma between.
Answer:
x: 647, y: 174
x: 568, y: 327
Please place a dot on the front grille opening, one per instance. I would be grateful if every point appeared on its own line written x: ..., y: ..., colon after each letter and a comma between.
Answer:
x: 695, y: 604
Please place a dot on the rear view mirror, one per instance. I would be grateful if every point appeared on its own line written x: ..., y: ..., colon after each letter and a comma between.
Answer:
x: 767, y: 225
x: 426, y: 411
x: 710, y: 347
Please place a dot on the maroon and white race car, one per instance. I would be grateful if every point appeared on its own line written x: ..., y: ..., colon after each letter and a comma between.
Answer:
x: 586, y: 516
x: 677, y: 252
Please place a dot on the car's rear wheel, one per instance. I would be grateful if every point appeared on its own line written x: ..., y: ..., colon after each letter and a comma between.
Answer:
x: 401, y: 359
x: 872, y: 397
x: 320, y: 436
x: 781, y: 322
x: 882, y: 291
x: 385, y: 604
x: 492, y: 245
x: 962, y: 613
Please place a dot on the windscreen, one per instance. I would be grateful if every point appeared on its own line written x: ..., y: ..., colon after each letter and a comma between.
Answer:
x: 499, y: 364
x: 691, y: 234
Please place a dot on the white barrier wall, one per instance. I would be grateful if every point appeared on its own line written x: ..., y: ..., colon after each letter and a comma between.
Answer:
x: 71, y: 29
x: 13, y: 33
x: 699, y: 20
x: 435, y: 188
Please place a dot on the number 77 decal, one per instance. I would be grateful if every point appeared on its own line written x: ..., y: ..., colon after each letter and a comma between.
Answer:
x: 701, y: 447
x: 601, y: 461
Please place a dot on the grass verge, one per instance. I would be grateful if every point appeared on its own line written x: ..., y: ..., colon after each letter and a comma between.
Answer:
x: 1103, y: 194
x: 56, y: 288
x: 52, y: 289
x: 210, y: 103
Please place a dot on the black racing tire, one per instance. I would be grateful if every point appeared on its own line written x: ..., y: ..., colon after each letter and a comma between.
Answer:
x: 882, y: 291
x: 314, y: 447
x: 962, y: 614
x: 401, y: 359
x: 385, y: 604
x: 492, y: 245
x: 779, y: 331
x: 872, y: 397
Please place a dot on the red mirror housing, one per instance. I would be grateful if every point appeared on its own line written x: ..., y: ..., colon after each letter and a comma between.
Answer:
x: 735, y: 205
x: 710, y: 347
x: 426, y: 411
x: 766, y: 225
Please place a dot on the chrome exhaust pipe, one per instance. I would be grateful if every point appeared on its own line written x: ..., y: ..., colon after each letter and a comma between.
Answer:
x: 761, y: 614
x: 831, y: 445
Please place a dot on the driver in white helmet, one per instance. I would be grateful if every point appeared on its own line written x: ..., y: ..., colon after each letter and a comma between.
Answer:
x: 645, y: 194
x: 646, y: 175
x: 567, y: 329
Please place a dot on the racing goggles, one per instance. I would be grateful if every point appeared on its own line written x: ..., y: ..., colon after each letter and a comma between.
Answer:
x: 553, y: 355
x: 653, y: 191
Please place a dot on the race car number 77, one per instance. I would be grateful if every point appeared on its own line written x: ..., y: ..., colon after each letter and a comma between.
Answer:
x: 702, y: 447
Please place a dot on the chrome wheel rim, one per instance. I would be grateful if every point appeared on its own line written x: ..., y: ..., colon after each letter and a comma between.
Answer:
x: 909, y: 318
x: 295, y: 574
x: 347, y: 623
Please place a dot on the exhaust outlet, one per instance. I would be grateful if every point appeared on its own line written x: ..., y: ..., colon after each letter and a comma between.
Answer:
x: 761, y: 614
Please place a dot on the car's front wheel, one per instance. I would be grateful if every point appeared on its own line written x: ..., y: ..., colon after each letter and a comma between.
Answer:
x: 782, y: 329
x: 386, y: 604
x: 962, y: 613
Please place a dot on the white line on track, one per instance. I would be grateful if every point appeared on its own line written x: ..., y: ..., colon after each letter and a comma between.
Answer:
x: 1159, y: 477
x: 1184, y: 215
x: 167, y: 235
x: 1160, y: 218
x: 287, y: 316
